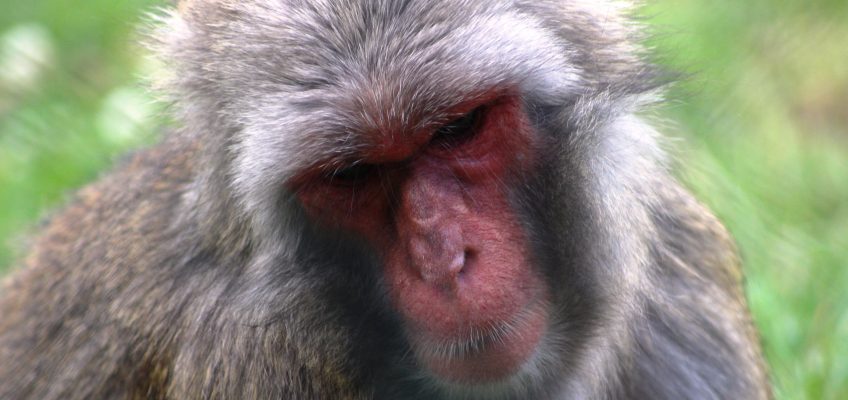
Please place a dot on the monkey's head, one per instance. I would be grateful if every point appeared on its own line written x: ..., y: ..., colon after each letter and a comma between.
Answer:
x: 480, y: 151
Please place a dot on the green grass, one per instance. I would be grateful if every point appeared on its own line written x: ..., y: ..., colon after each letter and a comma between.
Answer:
x: 765, y: 123
x: 69, y: 102
x: 763, y: 128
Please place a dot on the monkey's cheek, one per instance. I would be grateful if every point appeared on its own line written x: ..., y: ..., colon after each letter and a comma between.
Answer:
x: 492, y: 357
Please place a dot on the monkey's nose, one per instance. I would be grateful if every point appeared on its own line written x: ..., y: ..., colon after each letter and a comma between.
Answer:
x: 445, y: 274
x: 439, y: 258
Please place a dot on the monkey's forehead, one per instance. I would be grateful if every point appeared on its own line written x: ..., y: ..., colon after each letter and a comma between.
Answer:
x: 335, y: 70
x: 399, y: 79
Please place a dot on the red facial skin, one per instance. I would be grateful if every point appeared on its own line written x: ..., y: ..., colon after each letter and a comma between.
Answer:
x: 456, y: 257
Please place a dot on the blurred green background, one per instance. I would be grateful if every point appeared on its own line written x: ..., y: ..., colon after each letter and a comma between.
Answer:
x: 761, y: 128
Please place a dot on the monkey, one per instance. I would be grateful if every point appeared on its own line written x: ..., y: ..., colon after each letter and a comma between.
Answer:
x: 389, y: 199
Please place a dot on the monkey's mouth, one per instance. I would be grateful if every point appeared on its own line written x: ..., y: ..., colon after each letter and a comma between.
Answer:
x: 486, y: 354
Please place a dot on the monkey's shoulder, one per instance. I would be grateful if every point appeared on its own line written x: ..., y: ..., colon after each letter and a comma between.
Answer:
x: 118, y: 217
x: 693, y: 240
x: 697, y: 313
x: 87, y: 259
x: 135, y: 198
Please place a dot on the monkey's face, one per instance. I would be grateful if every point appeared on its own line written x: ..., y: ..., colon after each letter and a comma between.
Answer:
x: 435, y: 204
x: 411, y: 127
x: 420, y: 147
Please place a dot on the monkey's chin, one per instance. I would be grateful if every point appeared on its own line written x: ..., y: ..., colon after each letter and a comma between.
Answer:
x: 491, y: 357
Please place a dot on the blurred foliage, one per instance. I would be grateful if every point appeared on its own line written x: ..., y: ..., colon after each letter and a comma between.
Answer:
x: 69, y: 102
x: 763, y: 122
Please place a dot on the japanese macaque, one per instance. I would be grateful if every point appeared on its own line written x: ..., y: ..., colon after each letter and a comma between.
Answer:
x: 388, y: 199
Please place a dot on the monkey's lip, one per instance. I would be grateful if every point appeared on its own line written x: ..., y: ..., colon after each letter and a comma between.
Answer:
x: 486, y: 354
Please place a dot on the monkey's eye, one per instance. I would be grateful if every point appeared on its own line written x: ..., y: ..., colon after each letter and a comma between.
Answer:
x: 352, y: 175
x: 459, y: 130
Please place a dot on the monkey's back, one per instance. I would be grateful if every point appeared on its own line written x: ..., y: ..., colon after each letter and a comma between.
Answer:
x: 82, y: 310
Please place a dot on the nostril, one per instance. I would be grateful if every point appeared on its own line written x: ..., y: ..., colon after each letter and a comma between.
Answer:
x: 468, y: 258
x: 457, y: 265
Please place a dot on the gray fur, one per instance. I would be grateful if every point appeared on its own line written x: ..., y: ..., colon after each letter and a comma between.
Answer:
x: 190, y: 272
